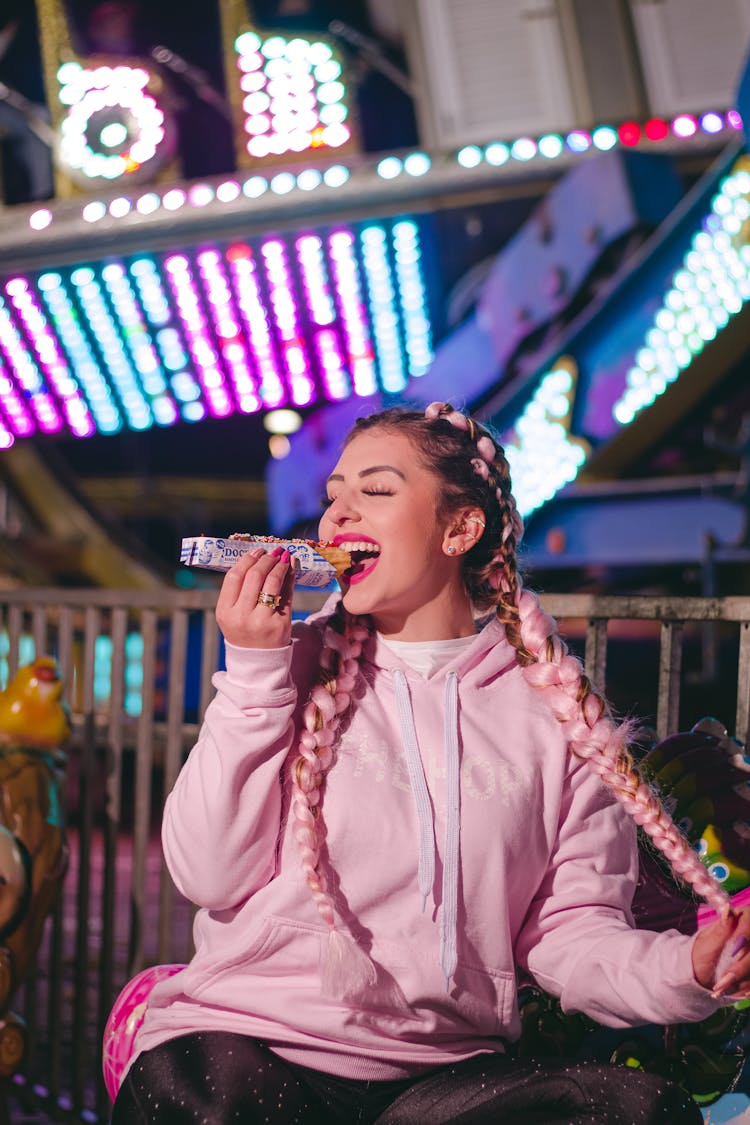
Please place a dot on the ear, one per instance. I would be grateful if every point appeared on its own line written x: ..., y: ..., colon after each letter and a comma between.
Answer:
x: 464, y: 529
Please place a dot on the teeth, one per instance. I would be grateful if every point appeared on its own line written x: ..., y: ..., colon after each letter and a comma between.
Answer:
x: 361, y: 548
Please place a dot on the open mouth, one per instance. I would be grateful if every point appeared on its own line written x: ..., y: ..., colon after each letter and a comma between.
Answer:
x: 365, y: 554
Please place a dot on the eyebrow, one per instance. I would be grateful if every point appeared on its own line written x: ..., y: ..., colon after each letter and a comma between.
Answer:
x: 369, y: 472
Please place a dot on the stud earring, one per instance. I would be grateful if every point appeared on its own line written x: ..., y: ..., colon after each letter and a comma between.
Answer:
x: 451, y: 550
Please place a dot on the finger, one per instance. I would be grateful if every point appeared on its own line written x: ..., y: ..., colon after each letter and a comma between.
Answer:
x: 234, y: 578
x: 287, y: 589
x: 274, y: 578
x: 256, y: 579
x: 276, y: 592
x: 735, y: 976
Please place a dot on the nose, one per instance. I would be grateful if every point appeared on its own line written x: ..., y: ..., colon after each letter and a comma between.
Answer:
x: 341, y: 510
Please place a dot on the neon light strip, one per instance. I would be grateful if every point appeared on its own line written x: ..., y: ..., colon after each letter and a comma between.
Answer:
x: 51, y: 361
x: 196, y: 331
x: 12, y: 403
x: 288, y: 326
x: 322, y: 312
x: 139, y: 343
x: 413, y: 297
x: 85, y: 367
x: 353, y: 317
x: 382, y: 300
x: 227, y: 329
x: 167, y: 338
x: 711, y: 286
x: 104, y: 330
x: 253, y: 312
x: 26, y: 373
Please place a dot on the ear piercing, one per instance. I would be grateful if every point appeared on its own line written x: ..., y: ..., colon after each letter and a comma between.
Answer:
x: 451, y: 550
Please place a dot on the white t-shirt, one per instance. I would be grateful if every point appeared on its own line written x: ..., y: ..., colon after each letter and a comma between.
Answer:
x: 428, y: 657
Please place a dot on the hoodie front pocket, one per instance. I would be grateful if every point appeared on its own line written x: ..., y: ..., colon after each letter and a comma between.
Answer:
x: 480, y: 990
x: 281, y: 947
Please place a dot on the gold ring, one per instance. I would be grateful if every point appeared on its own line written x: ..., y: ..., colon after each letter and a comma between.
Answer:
x: 272, y: 600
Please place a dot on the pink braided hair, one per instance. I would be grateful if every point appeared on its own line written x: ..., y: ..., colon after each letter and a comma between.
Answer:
x: 548, y: 666
x: 345, y: 969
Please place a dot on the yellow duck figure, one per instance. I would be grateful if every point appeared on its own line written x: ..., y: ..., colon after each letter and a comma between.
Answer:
x: 34, y: 725
x: 32, y: 712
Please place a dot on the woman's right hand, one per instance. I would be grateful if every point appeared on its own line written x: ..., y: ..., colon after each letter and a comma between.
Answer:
x: 244, y: 621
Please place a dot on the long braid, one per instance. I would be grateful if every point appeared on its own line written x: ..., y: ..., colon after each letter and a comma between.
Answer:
x: 345, y: 969
x: 590, y: 731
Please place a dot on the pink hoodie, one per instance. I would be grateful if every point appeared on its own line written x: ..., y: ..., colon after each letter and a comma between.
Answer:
x: 532, y: 872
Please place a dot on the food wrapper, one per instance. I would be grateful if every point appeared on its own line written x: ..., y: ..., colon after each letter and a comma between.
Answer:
x: 220, y: 554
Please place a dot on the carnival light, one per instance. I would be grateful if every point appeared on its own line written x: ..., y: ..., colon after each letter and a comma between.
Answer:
x: 685, y: 125
x: 542, y: 455
x: 254, y: 187
x: 470, y: 156
x: 417, y: 164
x: 360, y: 357
x: 258, y: 328
x: 309, y: 179
x: 153, y: 339
x: 294, y: 98
x: 322, y: 314
x: 604, y: 138
x: 336, y: 176
x: 285, y: 312
x: 282, y: 421
x: 711, y: 286
x: 390, y: 167
x: 413, y: 298
x: 41, y: 219
x: 523, y: 149
x: 113, y: 126
x: 228, y: 191
x: 382, y: 301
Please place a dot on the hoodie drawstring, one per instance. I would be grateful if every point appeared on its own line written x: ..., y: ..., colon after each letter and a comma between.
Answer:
x: 426, y: 866
x: 426, y: 869
x: 448, y: 948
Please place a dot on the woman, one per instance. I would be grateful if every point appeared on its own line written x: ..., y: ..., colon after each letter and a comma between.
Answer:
x: 393, y: 812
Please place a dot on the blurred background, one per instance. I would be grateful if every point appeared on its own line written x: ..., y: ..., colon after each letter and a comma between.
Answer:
x: 228, y: 228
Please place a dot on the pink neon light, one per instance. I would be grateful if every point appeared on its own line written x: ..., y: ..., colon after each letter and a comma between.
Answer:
x: 353, y: 317
x: 322, y: 312
x: 287, y: 322
x: 49, y: 359
x: 219, y: 294
x: 253, y: 312
x: 194, y: 323
x: 18, y: 418
x: 684, y: 125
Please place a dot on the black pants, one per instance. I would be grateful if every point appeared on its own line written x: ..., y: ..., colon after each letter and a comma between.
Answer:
x: 218, y: 1078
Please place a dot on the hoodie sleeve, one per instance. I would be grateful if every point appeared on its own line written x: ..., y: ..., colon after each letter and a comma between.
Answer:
x: 578, y: 939
x: 221, y: 821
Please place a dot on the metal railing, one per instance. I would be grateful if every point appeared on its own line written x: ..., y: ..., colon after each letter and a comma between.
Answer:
x: 120, y: 911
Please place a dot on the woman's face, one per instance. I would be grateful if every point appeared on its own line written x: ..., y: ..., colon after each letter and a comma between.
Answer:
x: 384, y: 510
